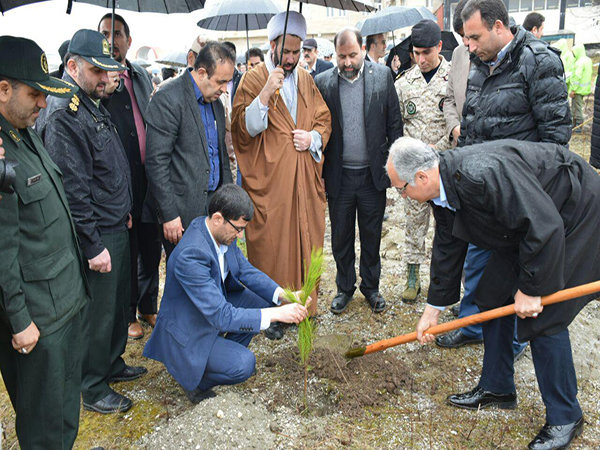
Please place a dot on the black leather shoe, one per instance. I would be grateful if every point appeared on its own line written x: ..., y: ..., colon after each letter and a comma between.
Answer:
x: 455, y: 310
x: 556, y: 436
x: 128, y: 373
x: 112, y: 403
x: 197, y: 395
x: 340, y: 303
x: 377, y: 302
x: 479, y: 399
x: 455, y: 339
x: 275, y: 331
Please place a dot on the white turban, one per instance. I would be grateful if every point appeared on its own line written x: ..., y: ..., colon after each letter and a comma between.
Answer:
x: 296, y: 25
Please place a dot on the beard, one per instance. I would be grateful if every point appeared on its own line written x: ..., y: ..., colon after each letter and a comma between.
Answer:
x: 289, y: 69
x: 349, y: 74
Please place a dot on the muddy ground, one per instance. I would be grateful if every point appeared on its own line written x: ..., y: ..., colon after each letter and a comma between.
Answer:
x: 392, y: 399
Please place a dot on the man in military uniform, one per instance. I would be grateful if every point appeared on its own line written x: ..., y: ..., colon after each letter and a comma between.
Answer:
x: 41, y: 270
x: 421, y: 92
x: 85, y: 145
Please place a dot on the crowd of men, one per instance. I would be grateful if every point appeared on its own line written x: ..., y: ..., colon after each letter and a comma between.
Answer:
x: 111, y: 171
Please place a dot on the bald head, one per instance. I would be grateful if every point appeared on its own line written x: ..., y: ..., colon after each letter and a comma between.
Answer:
x: 347, y: 36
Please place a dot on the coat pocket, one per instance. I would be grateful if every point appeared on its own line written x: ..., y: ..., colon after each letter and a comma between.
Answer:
x: 33, y: 198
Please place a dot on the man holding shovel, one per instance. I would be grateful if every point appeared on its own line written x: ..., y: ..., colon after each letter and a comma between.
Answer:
x: 536, y: 206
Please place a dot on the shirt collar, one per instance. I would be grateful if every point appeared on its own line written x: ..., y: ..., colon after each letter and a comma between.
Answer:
x: 197, y: 91
x: 360, y: 71
x: 499, y: 56
x: 442, y: 200
x: 220, y: 248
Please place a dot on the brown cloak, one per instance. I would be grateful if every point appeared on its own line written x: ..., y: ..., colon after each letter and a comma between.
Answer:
x: 284, y: 184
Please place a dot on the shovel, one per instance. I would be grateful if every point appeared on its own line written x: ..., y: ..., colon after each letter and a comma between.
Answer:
x: 557, y: 297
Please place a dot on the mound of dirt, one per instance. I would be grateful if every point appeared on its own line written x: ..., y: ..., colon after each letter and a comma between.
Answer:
x: 335, y: 384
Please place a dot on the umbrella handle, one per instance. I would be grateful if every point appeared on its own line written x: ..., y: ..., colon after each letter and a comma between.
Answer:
x: 557, y: 297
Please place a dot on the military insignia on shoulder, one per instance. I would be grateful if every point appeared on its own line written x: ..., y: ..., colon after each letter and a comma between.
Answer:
x: 14, y: 136
x: 44, y: 63
x: 411, y: 108
x: 441, y: 105
x: 74, y: 105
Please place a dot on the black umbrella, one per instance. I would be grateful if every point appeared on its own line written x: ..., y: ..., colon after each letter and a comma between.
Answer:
x: 5, y: 5
x: 238, y: 15
x: 404, y: 48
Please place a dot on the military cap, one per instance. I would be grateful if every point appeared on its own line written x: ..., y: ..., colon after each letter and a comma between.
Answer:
x: 309, y: 43
x: 93, y: 47
x: 425, y: 34
x: 23, y: 60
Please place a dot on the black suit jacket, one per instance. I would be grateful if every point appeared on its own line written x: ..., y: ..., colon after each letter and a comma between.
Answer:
x: 177, y: 163
x: 121, y: 114
x: 383, y: 123
x: 321, y: 66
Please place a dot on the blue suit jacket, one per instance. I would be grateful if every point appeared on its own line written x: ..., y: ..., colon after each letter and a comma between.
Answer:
x: 194, y: 307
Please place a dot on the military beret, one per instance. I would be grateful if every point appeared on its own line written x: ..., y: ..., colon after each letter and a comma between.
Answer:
x: 426, y: 34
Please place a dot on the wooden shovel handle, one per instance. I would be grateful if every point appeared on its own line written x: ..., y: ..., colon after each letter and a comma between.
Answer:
x: 557, y: 297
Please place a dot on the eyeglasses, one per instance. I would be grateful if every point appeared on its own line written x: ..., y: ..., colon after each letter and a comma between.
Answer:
x: 402, y: 189
x: 237, y: 229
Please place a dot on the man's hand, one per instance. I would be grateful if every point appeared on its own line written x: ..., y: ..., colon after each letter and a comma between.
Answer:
x: 173, y: 230
x: 572, y: 94
x: 396, y: 63
x: 129, y: 221
x: 26, y: 339
x: 290, y: 313
x: 113, y: 83
x: 101, y: 263
x: 427, y: 320
x: 527, y: 306
x: 274, y: 82
x: 302, y: 140
x: 455, y: 134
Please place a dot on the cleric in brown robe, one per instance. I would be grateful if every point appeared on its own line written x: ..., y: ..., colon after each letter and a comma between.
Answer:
x: 280, y: 125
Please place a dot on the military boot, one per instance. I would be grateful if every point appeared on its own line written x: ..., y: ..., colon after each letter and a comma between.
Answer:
x: 413, y: 284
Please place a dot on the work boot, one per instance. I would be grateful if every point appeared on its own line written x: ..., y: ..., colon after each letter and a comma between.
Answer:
x: 413, y: 284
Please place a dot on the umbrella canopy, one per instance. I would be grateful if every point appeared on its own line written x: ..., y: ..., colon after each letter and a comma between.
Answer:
x: 346, y: 5
x: 5, y: 5
x: 154, y: 6
x: 174, y: 59
x: 389, y: 19
x: 403, y: 49
x: 237, y: 15
x: 325, y: 47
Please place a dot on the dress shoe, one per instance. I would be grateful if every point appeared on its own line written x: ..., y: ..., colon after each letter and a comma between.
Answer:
x: 128, y: 373
x: 455, y: 310
x: 556, y: 436
x: 150, y: 319
x: 377, y: 302
x: 275, y: 331
x: 340, y: 303
x: 135, y: 331
x: 112, y: 403
x: 479, y: 399
x: 197, y: 395
x: 455, y: 339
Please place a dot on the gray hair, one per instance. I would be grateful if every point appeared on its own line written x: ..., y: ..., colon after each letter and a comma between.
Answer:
x: 408, y: 156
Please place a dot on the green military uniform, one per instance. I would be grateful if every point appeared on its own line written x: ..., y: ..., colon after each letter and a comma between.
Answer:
x: 422, y: 106
x: 42, y: 280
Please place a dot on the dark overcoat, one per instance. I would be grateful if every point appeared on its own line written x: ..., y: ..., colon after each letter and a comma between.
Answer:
x: 536, y: 206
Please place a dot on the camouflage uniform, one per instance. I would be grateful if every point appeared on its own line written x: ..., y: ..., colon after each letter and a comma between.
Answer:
x: 422, y: 106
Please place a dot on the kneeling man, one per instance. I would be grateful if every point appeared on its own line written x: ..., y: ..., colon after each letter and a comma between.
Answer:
x: 536, y: 206
x: 215, y: 301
